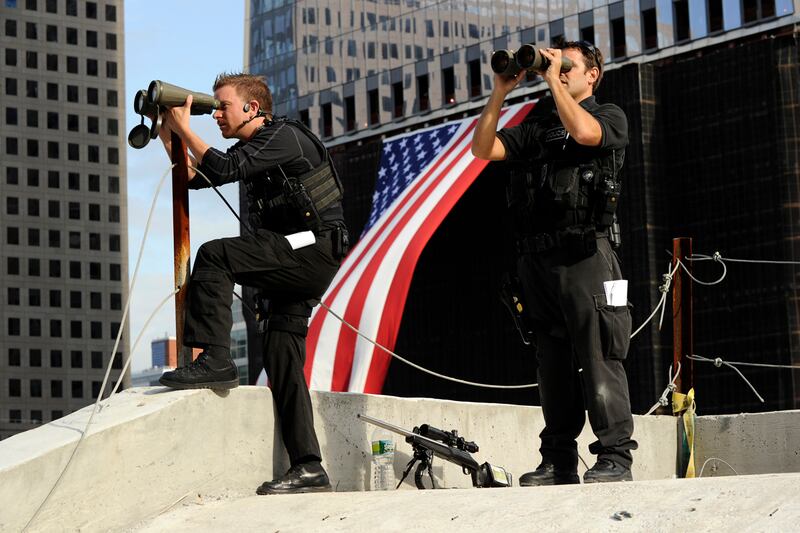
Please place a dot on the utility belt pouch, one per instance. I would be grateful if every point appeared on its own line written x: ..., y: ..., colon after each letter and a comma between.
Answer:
x: 563, y: 185
x: 340, y: 241
x: 607, y: 201
x: 579, y: 242
x: 512, y: 298
x: 298, y: 198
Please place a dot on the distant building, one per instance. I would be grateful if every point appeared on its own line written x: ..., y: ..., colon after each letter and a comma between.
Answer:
x: 63, y: 206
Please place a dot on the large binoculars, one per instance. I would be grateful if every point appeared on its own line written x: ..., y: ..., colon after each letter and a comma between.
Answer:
x: 159, y: 96
x: 528, y: 57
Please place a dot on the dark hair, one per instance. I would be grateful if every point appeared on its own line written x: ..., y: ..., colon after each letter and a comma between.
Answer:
x: 248, y: 87
x: 592, y: 57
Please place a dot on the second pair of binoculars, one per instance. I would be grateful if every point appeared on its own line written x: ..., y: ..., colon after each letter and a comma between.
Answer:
x: 528, y: 57
x: 160, y: 95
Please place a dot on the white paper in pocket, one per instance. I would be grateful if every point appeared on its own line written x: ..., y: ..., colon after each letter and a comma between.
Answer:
x: 301, y: 240
x: 616, y: 292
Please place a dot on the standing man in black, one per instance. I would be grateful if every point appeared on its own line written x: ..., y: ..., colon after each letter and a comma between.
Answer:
x: 563, y: 201
x: 292, y: 187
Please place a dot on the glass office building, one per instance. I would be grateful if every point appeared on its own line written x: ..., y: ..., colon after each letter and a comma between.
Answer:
x: 347, y: 66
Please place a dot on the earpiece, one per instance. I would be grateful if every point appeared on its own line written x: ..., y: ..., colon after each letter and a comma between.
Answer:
x: 246, y: 107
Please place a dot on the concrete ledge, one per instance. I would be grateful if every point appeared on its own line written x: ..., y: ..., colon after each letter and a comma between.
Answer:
x: 760, y: 443
x: 149, y: 448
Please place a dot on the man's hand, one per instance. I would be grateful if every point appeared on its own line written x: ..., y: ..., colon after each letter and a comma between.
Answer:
x: 505, y: 84
x: 177, y: 118
x: 553, y: 73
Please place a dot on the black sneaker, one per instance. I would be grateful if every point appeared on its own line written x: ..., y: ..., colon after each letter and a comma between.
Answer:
x: 203, y: 373
x: 606, y: 470
x: 307, y: 477
x: 548, y: 474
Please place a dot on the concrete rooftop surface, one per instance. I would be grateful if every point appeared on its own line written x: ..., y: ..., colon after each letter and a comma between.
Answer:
x: 155, y: 459
x: 767, y: 502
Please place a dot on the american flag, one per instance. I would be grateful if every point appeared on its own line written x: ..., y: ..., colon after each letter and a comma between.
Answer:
x: 422, y: 175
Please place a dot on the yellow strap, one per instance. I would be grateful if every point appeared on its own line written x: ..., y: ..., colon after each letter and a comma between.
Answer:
x: 685, y: 403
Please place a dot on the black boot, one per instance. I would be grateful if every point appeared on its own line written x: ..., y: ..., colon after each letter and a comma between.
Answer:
x: 548, y: 474
x: 305, y: 477
x: 203, y: 373
x: 607, y: 470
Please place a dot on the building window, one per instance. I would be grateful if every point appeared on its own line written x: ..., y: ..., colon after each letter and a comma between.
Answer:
x: 95, y: 300
x: 423, y: 93
x: 36, y: 388
x: 91, y: 10
x: 111, y: 13
x: 77, y: 389
x: 94, y: 241
x: 115, y: 301
x: 76, y: 330
x: 11, y: 57
x: 91, y: 38
x: 15, y: 416
x: 53, y: 179
x: 75, y: 270
x: 51, y: 33
x: 34, y: 297
x: 74, y: 181
x: 715, y: 18
x: 14, y: 388
x: 350, y: 113
x: 448, y: 86
x: 35, y: 358
x: 75, y: 240
x: 11, y: 28
x: 474, y: 67
x: 56, y: 388
x: 113, y: 243
x: 96, y: 330
x: 72, y: 93
x: 327, y: 120
x: 617, y: 19
x: 12, y: 235
x: 94, y: 270
x: 14, y: 327
x: 92, y: 96
x: 111, y: 41
x: 14, y: 357
x: 30, y: 30
x: 34, y: 327
x: 91, y: 67
x: 55, y: 298
x: 55, y: 328
x: 373, y: 101
x: 13, y: 296
x: 681, y: 20
x: 12, y: 266
x: 34, y: 267
x: 397, y: 99
x: 12, y: 205
x: 97, y: 359
x: 753, y: 10
x: 114, y: 272
x: 54, y: 238
x: 55, y: 268
x: 56, y: 358
x: 75, y: 299
x: 31, y: 59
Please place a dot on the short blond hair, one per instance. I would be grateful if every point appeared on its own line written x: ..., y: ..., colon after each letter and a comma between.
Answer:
x: 248, y: 87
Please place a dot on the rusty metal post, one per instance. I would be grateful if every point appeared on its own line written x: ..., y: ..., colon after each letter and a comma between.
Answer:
x: 682, y: 332
x: 180, y: 234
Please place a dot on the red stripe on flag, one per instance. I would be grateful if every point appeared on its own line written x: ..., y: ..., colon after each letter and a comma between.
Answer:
x: 345, y: 349
x: 315, y: 326
x: 398, y: 292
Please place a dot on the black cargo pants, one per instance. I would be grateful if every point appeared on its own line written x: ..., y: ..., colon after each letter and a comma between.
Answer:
x: 294, y: 278
x: 576, y: 329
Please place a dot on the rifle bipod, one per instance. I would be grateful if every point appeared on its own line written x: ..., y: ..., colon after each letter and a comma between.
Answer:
x: 425, y: 458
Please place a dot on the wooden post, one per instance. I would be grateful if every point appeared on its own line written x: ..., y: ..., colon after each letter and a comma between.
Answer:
x: 180, y: 234
x: 682, y: 333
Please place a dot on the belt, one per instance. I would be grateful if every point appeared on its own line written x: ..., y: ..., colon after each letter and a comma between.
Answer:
x: 537, y: 243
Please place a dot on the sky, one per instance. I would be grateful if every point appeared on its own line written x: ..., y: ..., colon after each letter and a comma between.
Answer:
x: 186, y: 43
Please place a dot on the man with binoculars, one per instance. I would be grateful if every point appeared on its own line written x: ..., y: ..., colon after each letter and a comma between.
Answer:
x: 291, y: 250
x: 563, y: 196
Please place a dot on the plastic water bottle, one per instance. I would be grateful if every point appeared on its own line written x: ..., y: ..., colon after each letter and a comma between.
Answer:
x: 382, y: 460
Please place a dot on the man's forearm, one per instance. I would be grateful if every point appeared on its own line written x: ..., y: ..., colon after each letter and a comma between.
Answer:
x: 486, y: 130
x: 578, y: 122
